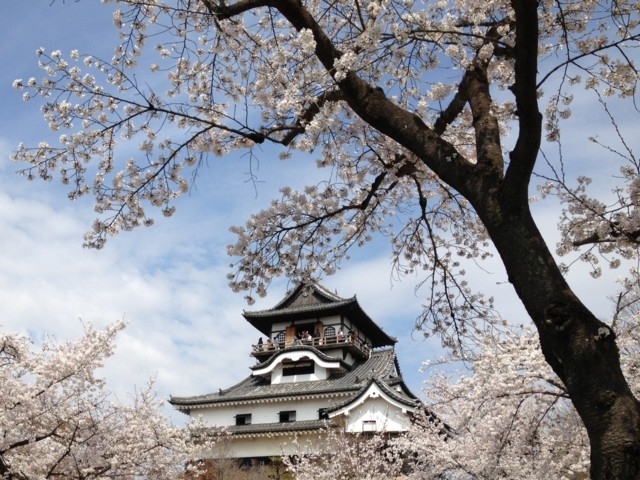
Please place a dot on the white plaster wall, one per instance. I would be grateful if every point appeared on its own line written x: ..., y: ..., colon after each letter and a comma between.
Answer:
x: 388, y: 417
x: 263, y: 412
x: 268, y: 446
x: 320, y: 373
x: 337, y: 353
x: 276, y: 375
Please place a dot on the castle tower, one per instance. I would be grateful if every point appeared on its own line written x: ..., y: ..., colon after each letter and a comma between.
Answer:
x: 323, y: 362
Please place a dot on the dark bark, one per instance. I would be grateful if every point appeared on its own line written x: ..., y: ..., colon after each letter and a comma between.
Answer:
x: 580, y: 348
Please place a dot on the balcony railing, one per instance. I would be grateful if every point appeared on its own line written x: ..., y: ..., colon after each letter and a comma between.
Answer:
x: 321, y: 343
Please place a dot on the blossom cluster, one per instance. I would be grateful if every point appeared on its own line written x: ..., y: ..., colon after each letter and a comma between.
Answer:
x: 59, y: 420
x: 510, y: 417
x: 228, y: 77
x: 345, y: 456
x: 603, y: 230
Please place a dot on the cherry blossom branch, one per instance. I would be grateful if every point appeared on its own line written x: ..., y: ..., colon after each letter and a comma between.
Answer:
x: 573, y: 59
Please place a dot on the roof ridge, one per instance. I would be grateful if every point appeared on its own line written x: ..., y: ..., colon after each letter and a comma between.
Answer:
x: 311, y: 286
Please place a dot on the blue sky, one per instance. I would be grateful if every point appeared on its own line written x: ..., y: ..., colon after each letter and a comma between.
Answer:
x: 169, y: 281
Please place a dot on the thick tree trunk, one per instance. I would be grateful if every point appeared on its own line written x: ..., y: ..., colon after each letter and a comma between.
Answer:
x: 580, y: 348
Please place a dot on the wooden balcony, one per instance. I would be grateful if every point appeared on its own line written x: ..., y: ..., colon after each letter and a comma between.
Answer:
x: 357, y: 347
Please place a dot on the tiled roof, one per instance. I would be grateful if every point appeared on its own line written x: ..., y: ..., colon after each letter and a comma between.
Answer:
x: 311, y: 300
x: 256, y: 388
x: 310, y: 308
x: 279, y: 427
x: 309, y: 293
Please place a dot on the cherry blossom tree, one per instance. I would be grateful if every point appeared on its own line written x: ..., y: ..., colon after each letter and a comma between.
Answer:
x: 59, y: 421
x: 346, y: 456
x: 626, y: 324
x: 428, y: 119
x: 510, y: 418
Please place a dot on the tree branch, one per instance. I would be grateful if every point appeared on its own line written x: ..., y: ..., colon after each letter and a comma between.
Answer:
x: 312, y: 110
x: 485, y: 124
x: 223, y: 12
x: 372, y: 105
x: 525, y: 152
x: 454, y: 109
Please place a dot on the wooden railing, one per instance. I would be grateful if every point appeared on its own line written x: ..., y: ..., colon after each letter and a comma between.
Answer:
x: 318, y: 342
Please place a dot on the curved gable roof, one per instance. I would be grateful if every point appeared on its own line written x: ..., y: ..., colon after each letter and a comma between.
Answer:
x: 322, y: 357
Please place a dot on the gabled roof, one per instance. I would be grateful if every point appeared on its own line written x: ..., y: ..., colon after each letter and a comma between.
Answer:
x: 345, y: 384
x: 382, y: 387
x: 313, y: 301
x: 323, y: 357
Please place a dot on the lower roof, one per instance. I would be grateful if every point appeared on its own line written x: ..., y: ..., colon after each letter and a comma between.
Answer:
x: 381, y: 365
x: 279, y: 427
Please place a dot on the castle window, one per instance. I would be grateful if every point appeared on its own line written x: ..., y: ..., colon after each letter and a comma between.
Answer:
x: 369, y: 426
x: 287, y: 416
x: 279, y: 340
x: 330, y: 334
x: 298, y: 368
x: 243, y: 419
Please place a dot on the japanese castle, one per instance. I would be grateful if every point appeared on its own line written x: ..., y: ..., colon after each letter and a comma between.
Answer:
x: 323, y: 364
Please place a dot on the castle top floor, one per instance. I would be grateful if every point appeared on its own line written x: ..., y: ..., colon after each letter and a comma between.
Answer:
x: 312, y: 315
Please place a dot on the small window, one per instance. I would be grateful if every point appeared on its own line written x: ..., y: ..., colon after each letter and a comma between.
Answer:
x: 369, y: 426
x: 322, y: 414
x: 243, y: 419
x: 279, y: 340
x: 287, y: 416
x: 305, y: 367
x: 330, y: 334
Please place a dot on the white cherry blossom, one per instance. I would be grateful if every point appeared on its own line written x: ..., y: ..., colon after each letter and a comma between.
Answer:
x: 408, y: 106
x: 57, y: 419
